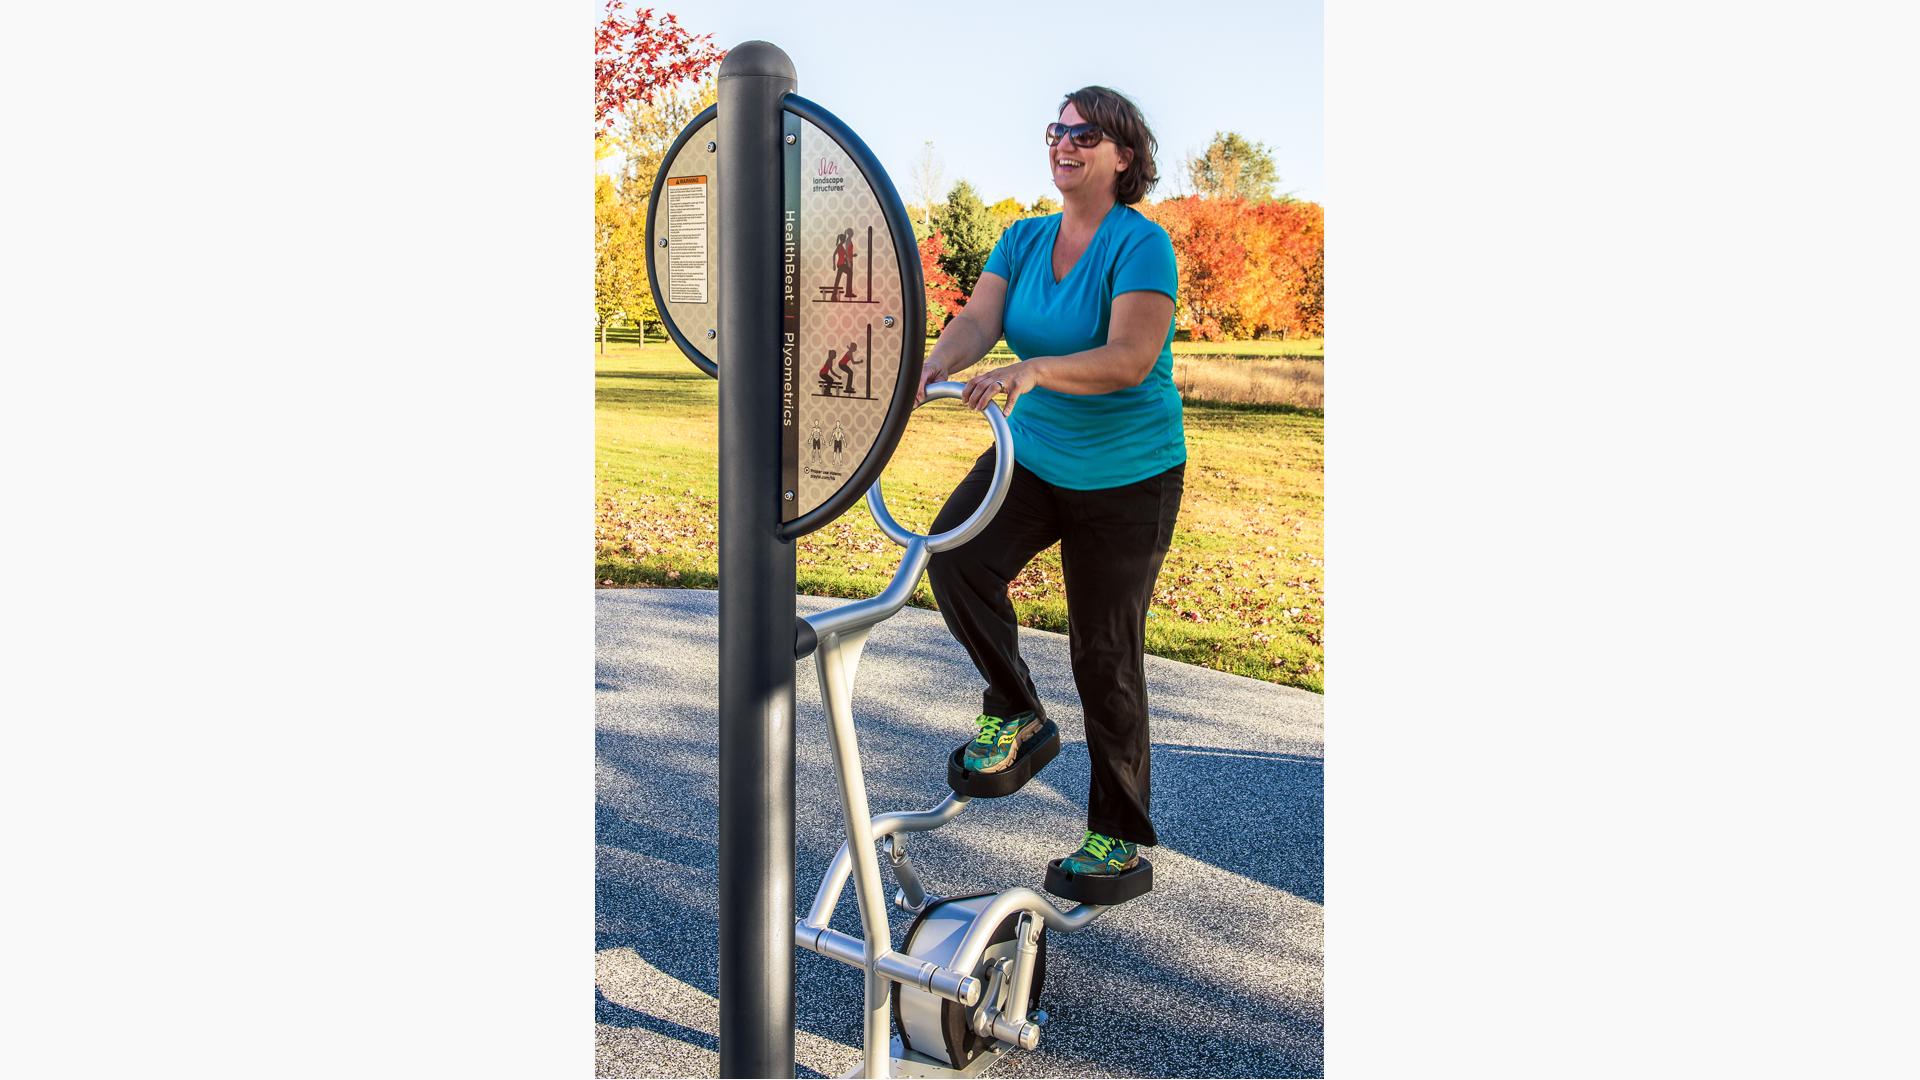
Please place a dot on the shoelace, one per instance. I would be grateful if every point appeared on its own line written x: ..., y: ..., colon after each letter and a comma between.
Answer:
x: 989, y: 730
x: 1098, y: 845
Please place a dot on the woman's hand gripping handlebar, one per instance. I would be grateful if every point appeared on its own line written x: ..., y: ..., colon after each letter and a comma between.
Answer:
x: 996, y: 491
x: 865, y: 613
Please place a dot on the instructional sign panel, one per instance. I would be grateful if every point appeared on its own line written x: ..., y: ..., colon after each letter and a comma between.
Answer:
x: 683, y: 237
x: 841, y: 344
x: 687, y: 264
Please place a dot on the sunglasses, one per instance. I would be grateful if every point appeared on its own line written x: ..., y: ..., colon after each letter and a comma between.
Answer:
x: 1084, y: 136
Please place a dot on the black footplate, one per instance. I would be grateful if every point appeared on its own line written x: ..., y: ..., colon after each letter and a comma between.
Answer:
x: 1034, y: 754
x: 1102, y: 889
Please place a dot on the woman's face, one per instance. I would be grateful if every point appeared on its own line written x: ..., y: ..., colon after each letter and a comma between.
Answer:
x: 1077, y: 168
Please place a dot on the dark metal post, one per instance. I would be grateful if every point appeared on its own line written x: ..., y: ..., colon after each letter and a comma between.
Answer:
x: 756, y: 580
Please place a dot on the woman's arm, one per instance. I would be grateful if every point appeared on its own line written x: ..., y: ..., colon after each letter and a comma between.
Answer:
x: 969, y: 336
x: 1136, y: 331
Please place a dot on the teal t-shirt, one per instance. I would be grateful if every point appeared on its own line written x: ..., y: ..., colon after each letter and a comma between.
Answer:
x: 1088, y: 441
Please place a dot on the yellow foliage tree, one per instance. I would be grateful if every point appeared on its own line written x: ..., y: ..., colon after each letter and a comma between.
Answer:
x: 1006, y: 212
x: 619, y: 260
x: 639, y: 141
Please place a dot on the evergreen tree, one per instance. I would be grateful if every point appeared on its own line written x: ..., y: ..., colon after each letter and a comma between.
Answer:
x: 969, y: 231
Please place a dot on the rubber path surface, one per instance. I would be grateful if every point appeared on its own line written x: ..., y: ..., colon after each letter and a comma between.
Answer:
x: 1217, y: 972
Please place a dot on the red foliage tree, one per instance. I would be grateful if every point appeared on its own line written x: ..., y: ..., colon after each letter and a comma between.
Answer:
x: 944, y: 298
x: 635, y: 58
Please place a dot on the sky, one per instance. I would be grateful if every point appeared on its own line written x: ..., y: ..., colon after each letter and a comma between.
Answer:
x: 982, y: 80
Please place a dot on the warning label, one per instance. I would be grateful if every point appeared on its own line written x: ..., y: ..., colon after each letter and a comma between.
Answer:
x: 687, y: 239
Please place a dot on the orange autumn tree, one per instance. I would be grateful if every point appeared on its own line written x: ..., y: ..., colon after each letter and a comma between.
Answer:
x: 1208, y: 251
x: 1247, y: 269
x: 1288, y: 247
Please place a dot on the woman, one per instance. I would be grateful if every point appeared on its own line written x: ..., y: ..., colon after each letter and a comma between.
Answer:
x: 1085, y: 299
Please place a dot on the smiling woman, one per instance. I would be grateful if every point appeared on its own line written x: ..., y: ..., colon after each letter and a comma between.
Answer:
x: 1085, y: 298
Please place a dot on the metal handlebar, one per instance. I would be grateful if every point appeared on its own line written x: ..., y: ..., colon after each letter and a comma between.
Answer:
x: 839, y: 636
x: 865, y: 613
x: 996, y: 492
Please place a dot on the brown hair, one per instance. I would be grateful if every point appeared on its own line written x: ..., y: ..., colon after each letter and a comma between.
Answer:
x: 1120, y: 119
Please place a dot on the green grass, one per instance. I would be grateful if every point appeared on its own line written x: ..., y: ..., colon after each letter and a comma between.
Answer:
x: 1241, y: 589
x: 1288, y: 375
x: 1314, y: 348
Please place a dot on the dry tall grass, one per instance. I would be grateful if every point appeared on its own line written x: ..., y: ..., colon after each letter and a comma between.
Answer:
x: 1232, y: 381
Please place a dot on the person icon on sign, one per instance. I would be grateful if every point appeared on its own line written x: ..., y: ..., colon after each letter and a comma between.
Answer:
x: 827, y: 385
x: 843, y: 253
x: 846, y: 364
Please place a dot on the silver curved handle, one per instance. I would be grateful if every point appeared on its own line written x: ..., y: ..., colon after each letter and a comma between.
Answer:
x: 996, y: 491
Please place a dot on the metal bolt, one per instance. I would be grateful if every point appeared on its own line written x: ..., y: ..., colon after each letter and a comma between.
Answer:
x: 791, y: 139
x: 886, y: 320
x: 663, y: 241
x: 712, y: 333
x: 789, y: 496
x: 710, y: 146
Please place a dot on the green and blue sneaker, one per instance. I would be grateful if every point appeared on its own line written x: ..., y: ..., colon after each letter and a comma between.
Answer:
x: 1102, y: 855
x: 999, y: 742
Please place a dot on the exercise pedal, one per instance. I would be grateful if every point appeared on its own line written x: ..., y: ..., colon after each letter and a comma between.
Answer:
x: 980, y: 785
x: 1102, y: 889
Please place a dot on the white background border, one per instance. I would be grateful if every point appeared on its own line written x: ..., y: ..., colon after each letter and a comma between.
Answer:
x: 298, y: 439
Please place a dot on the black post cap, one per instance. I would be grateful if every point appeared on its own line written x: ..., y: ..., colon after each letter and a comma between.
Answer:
x: 756, y: 59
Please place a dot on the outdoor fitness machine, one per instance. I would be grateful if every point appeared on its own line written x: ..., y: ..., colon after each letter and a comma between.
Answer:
x: 972, y: 966
x: 748, y: 220
x: 784, y: 265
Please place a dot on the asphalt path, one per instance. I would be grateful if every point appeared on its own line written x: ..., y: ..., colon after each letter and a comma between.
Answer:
x: 1216, y: 972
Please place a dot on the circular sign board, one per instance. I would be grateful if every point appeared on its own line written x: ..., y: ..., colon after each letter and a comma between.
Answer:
x: 853, y: 306
x: 854, y: 318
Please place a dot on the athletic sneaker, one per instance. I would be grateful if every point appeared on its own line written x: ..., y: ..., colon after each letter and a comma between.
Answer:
x: 1102, y: 855
x: 999, y: 742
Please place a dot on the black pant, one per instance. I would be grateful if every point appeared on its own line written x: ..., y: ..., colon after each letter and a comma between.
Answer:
x: 1112, y: 541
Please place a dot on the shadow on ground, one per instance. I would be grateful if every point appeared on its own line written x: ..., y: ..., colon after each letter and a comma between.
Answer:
x: 1214, y: 973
